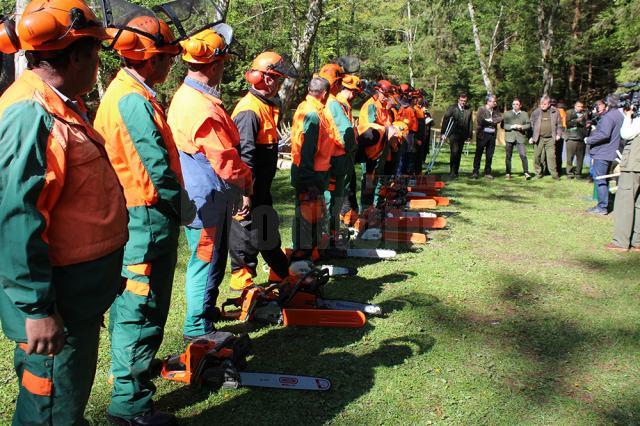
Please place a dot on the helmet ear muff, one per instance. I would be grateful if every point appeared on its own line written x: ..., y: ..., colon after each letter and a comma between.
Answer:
x: 9, y: 41
x: 39, y: 28
x: 253, y: 77
x: 197, y: 48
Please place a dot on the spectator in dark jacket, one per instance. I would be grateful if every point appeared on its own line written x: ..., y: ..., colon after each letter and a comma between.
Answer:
x: 459, y: 117
x: 487, y: 121
x: 574, y: 137
x: 603, y: 144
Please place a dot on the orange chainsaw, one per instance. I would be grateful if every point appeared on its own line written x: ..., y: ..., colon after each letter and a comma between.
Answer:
x: 220, y: 361
x: 298, y: 304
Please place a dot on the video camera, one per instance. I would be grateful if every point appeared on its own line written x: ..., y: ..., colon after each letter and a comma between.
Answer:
x: 631, y: 99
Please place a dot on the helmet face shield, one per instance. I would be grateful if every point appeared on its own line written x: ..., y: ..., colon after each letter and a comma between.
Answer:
x: 121, y: 17
x: 349, y: 64
x: 192, y: 16
x: 283, y: 68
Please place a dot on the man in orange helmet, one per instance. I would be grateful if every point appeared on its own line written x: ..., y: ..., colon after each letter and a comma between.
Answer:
x: 344, y: 144
x: 255, y: 227
x: 143, y: 153
x: 214, y: 174
x: 351, y: 88
x: 311, y: 149
x: 376, y: 110
x: 62, y: 216
x: 407, y: 113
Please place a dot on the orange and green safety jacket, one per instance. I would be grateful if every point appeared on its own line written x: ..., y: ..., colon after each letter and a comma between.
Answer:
x: 311, y: 146
x: 208, y: 141
x: 143, y: 154
x: 343, y: 135
x: 60, y: 205
x: 374, y: 114
x: 408, y: 115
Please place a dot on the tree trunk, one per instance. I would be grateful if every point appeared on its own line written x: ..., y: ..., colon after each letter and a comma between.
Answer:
x: 575, y: 25
x: 545, y: 35
x: 20, y: 60
x: 410, y: 34
x: 302, y: 44
x: 484, y: 69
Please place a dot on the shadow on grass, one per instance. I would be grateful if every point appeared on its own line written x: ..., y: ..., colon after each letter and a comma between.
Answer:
x: 308, y: 351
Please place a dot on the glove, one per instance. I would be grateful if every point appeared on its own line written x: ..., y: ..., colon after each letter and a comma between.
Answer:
x: 188, y: 208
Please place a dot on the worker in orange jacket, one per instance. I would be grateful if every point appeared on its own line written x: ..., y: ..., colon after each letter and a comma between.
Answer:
x: 376, y: 110
x: 351, y: 88
x: 311, y: 151
x: 63, y: 219
x: 344, y: 146
x: 406, y: 152
x: 215, y: 176
x: 141, y: 148
x: 255, y: 228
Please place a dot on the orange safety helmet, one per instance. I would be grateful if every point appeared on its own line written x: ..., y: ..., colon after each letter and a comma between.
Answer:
x: 333, y: 73
x: 205, y: 47
x: 157, y: 39
x: 50, y: 25
x: 352, y: 82
x: 269, y: 63
x: 405, y: 88
x: 384, y: 86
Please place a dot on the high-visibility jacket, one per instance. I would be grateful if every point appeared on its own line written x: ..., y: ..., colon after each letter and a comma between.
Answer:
x: 408, y: 114
x: 257, y: 119
x: 343, y: 135
x: 142, y: 151
x: 204, y: 131
x: 311, y: 145
x: 60, y: 201
x: 373, y: 111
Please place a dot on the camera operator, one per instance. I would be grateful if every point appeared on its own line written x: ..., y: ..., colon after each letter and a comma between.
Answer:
x: 603, y: 144
x: 626, y: 224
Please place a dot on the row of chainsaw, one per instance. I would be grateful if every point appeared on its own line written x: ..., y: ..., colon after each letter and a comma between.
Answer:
x: 402, y: 216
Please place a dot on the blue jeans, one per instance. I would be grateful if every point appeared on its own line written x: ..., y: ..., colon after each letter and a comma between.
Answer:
x: 601, y: 168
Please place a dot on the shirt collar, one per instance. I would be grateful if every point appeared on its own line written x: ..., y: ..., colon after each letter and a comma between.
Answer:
x: 201, y: 87
x: 69, y: 102
x: 149, y: 89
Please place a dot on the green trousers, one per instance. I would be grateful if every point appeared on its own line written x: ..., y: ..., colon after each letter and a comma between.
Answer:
x: 626, y: 211
x: 136, y: 324
x: 54, y: 390
x: 545, y: 154
x: 334, y: 196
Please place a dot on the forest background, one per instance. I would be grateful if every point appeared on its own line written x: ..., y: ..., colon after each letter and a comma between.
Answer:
x: 568, y: 49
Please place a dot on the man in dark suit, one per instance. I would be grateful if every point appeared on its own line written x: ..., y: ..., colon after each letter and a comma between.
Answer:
x: 458, y: 117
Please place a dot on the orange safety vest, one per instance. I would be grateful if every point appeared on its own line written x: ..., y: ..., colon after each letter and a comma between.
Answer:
x: 139, y: 190
x: 383, y: 115
x: 324, y: 150
x: 419, y: 112
x: 81, y: 201
x: 200, y: 124
x: 408, y: 114
x: 269, y: 116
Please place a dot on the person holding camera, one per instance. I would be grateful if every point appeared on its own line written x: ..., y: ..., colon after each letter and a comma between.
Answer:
x: 626, y: 223
x: 603, y: 144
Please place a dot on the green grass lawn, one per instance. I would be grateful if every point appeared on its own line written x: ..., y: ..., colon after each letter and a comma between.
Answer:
x: 514, y: 315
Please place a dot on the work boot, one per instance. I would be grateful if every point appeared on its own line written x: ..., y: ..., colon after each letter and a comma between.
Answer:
x: 474, y: 176
x: 213, y: 336
x: 527, y: 176
x: 488, y: 176
x: 507, y: 176
x: 241, y: 279
x: 596, y: 210
x: 157, y: 418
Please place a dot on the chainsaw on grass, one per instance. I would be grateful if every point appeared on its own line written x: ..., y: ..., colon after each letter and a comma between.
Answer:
x: 219, y: 362
x: 298, y: 304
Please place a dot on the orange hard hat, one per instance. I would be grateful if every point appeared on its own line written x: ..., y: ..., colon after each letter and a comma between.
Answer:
x: 205, y: 47
x: 50, y: 25
x: 352, y: 82
x: 405, y: 88
x: 270, y: 63
x: 332, y: 73
x: 157, y: 38
x: 385, y: 86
